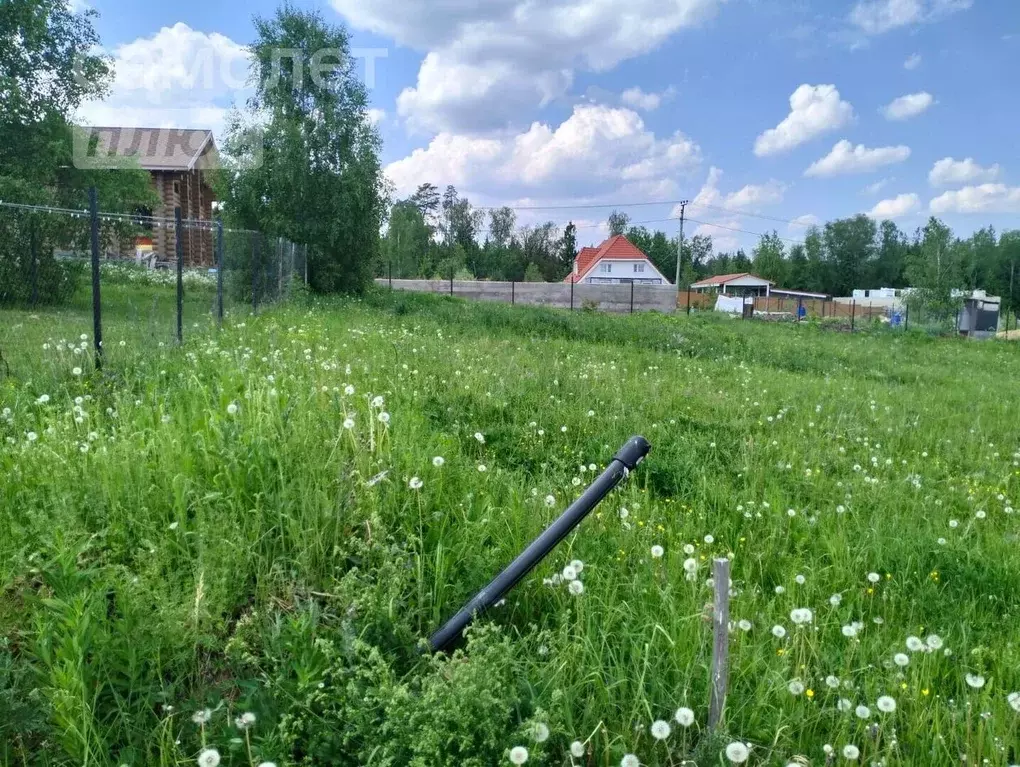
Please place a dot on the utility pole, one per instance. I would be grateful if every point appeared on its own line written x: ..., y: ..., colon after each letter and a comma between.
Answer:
x: 680, y: 246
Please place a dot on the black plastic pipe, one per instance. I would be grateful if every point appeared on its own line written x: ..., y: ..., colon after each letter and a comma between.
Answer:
x: 625, y: 461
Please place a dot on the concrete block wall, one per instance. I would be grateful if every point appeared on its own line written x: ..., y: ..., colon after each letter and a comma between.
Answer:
x: 606, y: 298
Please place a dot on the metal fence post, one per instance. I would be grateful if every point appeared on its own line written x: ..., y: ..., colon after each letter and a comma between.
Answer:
x: 571, y: 294
x: 513, y: 293
x: 632, y: 296
x: 34, y: 245
x: 391, y: 274
x: 178, y: 228
x: 97, y: 304
x: 688, y: 300
x: 853, y: 315
x: 451, y: 280
x: 255, y: 248
x: 219, y: 274
x: 906, y: 318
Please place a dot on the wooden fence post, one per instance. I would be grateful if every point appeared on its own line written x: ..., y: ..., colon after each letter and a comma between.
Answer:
x: 720, y: 645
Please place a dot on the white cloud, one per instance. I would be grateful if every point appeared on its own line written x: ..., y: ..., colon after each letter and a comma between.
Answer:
x: 180, y: 77
x: 814, y: 110
x: 751, y: 196
x: 913, y: 61
x: 874, y: 17
x: 598, y: 150
x: 805, y: 221
x: 876, y: 187
x: 489, y: 61
x: 847, y: 158
x: 908, y: 106
x: 647, y: 102
x: 897, y: 207
x: 986, y: 198
x: 951, y: 172
x: 376, y: 116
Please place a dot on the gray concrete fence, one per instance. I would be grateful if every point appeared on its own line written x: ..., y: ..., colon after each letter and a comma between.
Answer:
x: 561, y: 295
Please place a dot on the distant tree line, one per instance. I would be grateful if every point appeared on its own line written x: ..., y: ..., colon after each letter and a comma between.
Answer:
x: 433, y: 235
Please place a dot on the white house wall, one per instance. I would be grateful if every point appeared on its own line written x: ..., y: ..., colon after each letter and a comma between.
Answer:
x: 623, y: 269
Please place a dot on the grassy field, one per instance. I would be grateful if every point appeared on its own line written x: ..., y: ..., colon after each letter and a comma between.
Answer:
x: 230, y: 552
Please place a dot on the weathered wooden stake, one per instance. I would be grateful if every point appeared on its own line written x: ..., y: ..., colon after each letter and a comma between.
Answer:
x: 720, y: 646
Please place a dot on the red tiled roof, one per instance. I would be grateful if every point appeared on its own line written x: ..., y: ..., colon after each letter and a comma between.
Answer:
x: 615, y: 248
x: 583, y: 261
x: 722, y: 279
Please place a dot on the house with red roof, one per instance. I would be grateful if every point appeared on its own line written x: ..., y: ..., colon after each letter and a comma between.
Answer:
x: 616, y: 261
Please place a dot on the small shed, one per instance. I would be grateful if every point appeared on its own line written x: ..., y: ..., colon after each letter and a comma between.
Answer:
x: 742, y: 284
x: 979, y: 317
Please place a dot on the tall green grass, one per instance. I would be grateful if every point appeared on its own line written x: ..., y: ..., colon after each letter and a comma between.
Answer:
x: 197, y: 528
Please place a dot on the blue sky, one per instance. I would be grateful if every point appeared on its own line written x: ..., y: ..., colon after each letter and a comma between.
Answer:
x: 761, y: 112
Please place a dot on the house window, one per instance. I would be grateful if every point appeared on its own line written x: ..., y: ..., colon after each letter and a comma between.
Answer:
x: 639, y: 268
x: 177, y: 187
x: 607, y: 269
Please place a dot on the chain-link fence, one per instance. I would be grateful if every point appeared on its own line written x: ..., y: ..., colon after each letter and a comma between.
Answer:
x: 159, y: 276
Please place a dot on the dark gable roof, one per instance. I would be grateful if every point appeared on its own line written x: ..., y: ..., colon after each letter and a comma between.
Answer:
x: 172, y: 149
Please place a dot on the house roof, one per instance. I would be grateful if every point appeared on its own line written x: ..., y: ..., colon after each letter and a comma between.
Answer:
x: 617, y: 248
x: 170, y: 149
x: 722, y: 279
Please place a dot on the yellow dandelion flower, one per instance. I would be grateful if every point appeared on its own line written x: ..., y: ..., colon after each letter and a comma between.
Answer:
x: 810, y: 693
x: 925, y: 692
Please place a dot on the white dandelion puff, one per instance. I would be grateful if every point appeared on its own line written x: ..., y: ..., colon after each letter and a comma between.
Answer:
x: 685, y: 717
x: 550, y: 501
x: 232, y: 408
x: 1014, y: 701
x: 737, y: 752
x: 438, y: 461
x: 874, y: 577
x: 914, y: 644
x: 202, y: 717
x: 863, y: 712
x: 415, y: 483
x: 569, y: 573
x: 901, y: 659
x: 657, y: 552
x: 629, y: 760
x: 480, y: 437
x: 540, y: 732
x: 245, y: 720
x: 210, y: 757
x: 976, y: 681
x: 660, y: 730
x: 832, y: 681
x: 934, y: 642
x: 577, y: 749
x: 796, y: 687
x: 886, y: 704
x: 384, y: 418
x: 851, y: 752
x: 778, y: 631
x: 518, y: 755
x: 576, y: 588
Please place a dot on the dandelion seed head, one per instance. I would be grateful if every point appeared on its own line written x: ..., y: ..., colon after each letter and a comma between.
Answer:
x: 851, y: 752
x: 577, y: 749
x: 737, y: 752
x: 685, y: 716
x: 886, y: 704
x: 576, y: 588
x: 518, y: 755
x: 209, y: 757
x: 660, y: 730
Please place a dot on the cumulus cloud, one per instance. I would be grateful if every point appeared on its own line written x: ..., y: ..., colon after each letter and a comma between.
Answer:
x: 984, y: 198
x: 179, y: 77
x: 646, y: 102
x: 805, y: 221
x: 814, y: 110
x: 913, y: 61
x: 598, y: 150
x: 896, y: 207
x: 846, y: 158
x: 876, y: 187
x: 952, y: 172
x: 376, y: 116
x: 908, y: 106
x: 718, y: 213
x: 875, y: 17
x: 489, y: 61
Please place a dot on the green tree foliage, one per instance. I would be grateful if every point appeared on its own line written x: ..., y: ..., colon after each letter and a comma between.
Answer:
x: 618, y: 222
x: 567, y: 249
x: 936, y: 270
x: 48, y: 68
x: 850, y: 248
x: 315, y: 177
x: 769, y: 258
x: 407, y: 241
